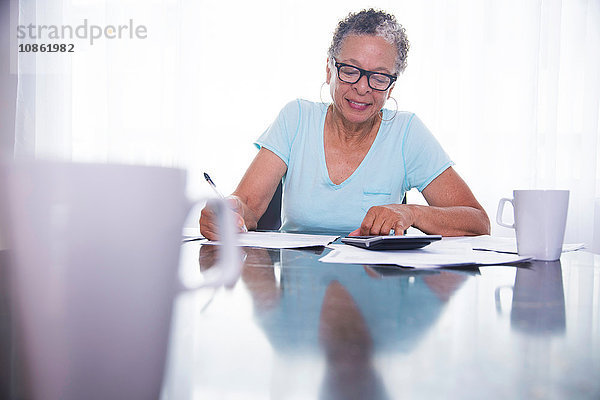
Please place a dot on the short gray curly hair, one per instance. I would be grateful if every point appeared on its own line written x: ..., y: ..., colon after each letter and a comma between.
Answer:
x: 375, y: 23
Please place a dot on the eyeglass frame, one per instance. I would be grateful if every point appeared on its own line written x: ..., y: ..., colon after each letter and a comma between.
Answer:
x: 363, y: 72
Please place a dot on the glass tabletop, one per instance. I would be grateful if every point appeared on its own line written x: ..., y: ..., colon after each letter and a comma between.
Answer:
x: 293, y: 327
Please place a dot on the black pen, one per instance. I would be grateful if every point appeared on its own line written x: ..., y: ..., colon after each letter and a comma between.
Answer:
x: 214, y: 187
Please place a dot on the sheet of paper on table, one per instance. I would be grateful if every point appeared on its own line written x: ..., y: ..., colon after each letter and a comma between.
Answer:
x: 504, y: 244
x: 445, y: 253
x: 279, y: 240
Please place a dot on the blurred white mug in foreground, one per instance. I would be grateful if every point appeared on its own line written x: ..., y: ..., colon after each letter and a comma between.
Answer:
x: 540, y: 220
x: 96, y: 255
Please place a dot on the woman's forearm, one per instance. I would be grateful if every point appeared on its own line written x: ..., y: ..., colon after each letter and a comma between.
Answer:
x: 451, y: 221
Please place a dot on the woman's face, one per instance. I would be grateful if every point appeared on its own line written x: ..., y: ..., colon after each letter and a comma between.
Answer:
x: 357, y: 102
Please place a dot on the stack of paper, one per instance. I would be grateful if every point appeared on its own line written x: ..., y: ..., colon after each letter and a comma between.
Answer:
x: 279, y: 240
x: 449, y: 252
x: 506, y: 244
x: 446, y: 253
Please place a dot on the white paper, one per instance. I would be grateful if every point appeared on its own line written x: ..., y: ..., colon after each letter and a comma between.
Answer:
x: 279, y: 240
x: 445, y: 253
x: 506, y: 244
x: 189, y: 232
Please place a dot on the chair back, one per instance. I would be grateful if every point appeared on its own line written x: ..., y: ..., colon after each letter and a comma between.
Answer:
x: 271, y: 219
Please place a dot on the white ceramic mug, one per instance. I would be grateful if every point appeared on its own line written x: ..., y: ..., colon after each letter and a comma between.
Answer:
x: 540, y: 220
x: 96, y: 255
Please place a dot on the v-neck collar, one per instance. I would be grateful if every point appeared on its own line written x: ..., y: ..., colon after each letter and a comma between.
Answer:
x: 324, y: 170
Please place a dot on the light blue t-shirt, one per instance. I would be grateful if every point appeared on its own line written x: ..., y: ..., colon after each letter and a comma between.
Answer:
x: 404, y: 155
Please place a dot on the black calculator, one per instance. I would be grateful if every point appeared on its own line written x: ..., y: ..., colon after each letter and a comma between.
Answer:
x: 391, y: 242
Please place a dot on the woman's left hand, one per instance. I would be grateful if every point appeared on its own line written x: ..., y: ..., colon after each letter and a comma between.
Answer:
x: 380, y: 220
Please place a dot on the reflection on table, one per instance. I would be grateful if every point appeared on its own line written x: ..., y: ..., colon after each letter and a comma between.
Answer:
x: 294, y: 327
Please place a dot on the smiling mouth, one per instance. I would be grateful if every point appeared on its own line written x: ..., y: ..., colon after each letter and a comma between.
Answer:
x: 357, y: 105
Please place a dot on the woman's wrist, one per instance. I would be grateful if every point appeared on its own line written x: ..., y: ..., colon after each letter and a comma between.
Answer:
x: 415, y: 212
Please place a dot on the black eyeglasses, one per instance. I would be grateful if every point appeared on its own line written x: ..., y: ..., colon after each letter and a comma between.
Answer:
x: 377, y: 81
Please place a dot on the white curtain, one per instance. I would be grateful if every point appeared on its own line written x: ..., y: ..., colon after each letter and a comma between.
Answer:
x: 511, y: 89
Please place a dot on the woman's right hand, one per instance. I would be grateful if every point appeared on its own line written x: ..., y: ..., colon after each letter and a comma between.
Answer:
x: 252, y: 196
x: 209, y: 221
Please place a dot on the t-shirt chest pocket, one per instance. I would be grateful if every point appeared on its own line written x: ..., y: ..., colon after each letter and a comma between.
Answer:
x: 375, y: 196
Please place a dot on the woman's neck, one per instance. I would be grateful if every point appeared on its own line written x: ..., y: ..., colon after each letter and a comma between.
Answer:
x: 352, y: 133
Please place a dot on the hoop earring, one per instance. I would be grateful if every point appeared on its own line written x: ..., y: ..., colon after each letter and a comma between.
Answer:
x: 395, y: 112
x: 321, y: 92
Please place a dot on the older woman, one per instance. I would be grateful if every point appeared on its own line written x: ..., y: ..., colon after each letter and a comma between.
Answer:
x: 347, y: 165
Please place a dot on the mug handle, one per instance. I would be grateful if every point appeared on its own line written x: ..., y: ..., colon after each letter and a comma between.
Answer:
x: 503, y: 201
x: 229, y: 264
x: 497, y: 294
